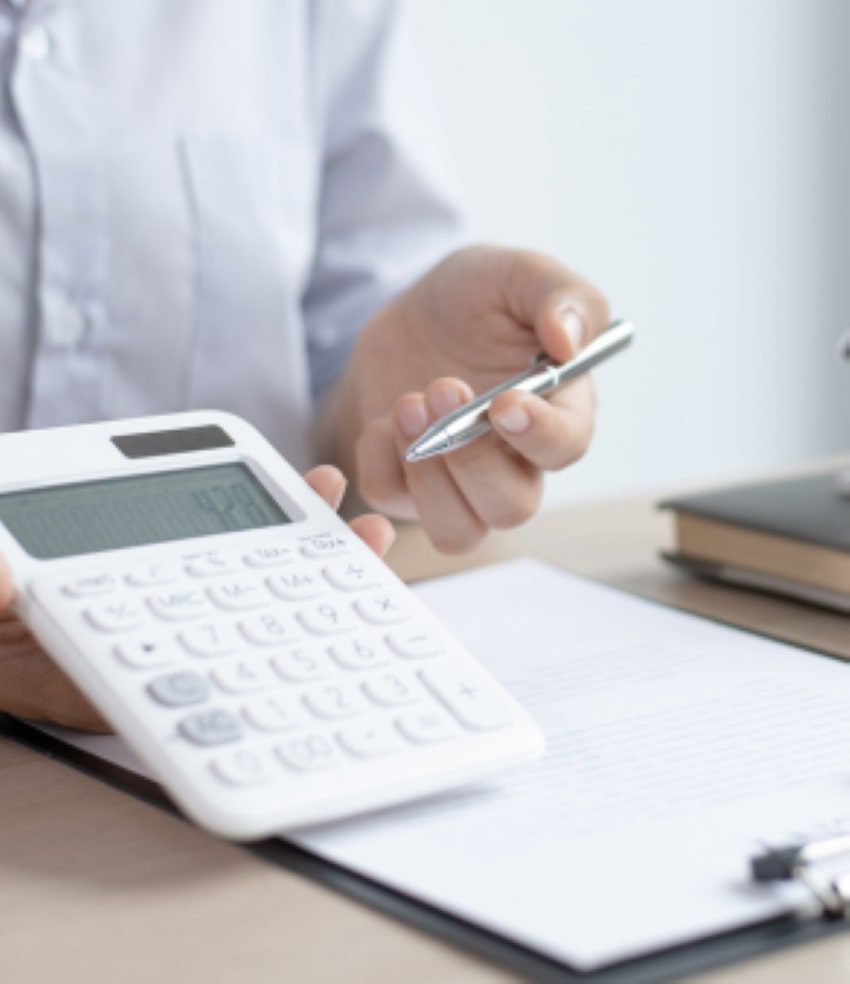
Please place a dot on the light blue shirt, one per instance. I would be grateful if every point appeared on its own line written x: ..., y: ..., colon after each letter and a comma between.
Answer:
x: 202, y: 201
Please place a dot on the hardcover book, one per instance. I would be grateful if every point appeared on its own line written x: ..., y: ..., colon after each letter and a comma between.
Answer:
x: 790, y: 536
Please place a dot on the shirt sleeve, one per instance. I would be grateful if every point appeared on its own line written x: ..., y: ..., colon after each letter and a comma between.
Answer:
x: 387, y: 207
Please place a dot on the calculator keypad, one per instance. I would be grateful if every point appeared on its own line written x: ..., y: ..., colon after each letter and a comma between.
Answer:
x: 284, y: 660
x: 153, y: 575
x: 91, y: 584
x: 212, y: 727
x: 147, y: 652
x: 179, y: 689
x: 179, y: 605
x: 116, y: 616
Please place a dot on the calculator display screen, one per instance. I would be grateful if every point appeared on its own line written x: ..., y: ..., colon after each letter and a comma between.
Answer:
x: 108, y: 514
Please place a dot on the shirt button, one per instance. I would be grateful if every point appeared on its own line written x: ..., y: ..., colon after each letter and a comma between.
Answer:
x: 35, y: 42
x: 66, y: 325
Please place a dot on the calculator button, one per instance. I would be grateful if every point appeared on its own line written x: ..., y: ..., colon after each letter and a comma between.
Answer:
x: 368, y: 739
x: 269, y: 556
x: 297, y: 585
x: 213, y: 727
x: 239, y: 595
x: 146, y: 653
x: 211, y: 565
x: 242, y: 676
x: 334, y: 700
x: 472, y: 702
x: 244, y: 767
x: 359, y: 652
x: 91, y: 584
x: 302, y: 663
x: 382, y: 609
x: 268, y: 630
x: 177, y: 606
x: 274, y: 714
x: 179, y: 689
x: 309, y: 750
x: 116, y: 616
x: 426, y: 726
x: 351, y: 575
x: 391, y: 688
x: 151, y: 575
x: 210, y: 639
x: 324, y: 545
x: 413, y: 644
x: 327, y: 618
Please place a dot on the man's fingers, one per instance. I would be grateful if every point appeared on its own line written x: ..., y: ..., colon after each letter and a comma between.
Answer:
x: 380, y: 473
x: 501, y: 489
x: 566, y: 310
x: 375, y: 531
x: 328, y: 482
x: 569, y: 318
x: 549, y: 434
x: 444, y: 513
x: 12, y: 629
x: 7, y: 592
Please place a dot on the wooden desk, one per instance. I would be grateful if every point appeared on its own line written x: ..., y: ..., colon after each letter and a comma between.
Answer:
x: 96, y: 886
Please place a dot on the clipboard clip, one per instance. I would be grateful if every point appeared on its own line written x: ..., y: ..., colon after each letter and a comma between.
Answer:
x: 821, y: 866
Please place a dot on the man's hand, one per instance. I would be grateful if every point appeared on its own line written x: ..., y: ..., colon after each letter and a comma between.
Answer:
x: 477, y: 318
x: 32, y: 686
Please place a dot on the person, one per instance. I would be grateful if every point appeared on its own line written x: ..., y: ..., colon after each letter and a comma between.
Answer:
x: 242, y: 206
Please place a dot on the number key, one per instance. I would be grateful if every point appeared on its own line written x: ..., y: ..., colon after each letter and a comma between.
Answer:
x: 268, y: 630
x: 244, y: 767
x: 334, y: 700
x: 242, y: 676
x: 303, y: 663
x: 327, y: 618
x: 274, y: 713
x: 309, y: 750
x: 210, y: 639
x: 359, y: 652
x: 392, y: 688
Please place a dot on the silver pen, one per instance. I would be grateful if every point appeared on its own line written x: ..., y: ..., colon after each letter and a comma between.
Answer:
x: 469, y: 422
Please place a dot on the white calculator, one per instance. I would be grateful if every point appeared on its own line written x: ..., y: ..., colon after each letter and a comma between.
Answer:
x: 267, y: 667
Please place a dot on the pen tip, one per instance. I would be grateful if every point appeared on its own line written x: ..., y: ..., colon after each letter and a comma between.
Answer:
x: 412, y: 456
x: 427, y: 446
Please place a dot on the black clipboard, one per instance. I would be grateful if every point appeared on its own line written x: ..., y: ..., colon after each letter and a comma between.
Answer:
x: 704, y: 954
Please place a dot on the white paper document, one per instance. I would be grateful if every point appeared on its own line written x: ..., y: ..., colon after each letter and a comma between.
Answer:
x: 676, y: 748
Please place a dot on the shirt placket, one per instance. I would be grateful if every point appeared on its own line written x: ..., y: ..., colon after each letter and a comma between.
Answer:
x: 58, y: 117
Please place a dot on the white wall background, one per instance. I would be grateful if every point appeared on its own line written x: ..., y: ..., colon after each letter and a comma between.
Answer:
x: 691, y: 157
